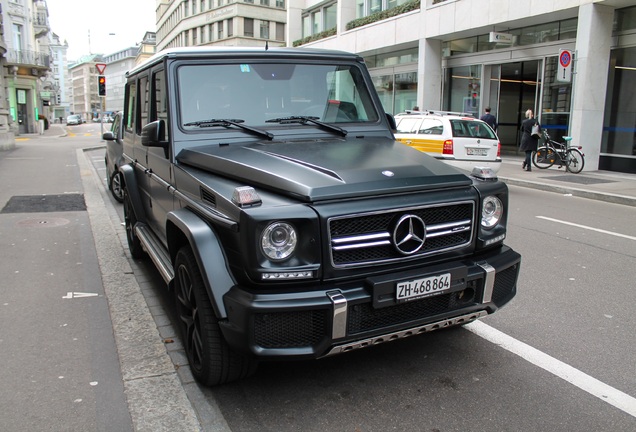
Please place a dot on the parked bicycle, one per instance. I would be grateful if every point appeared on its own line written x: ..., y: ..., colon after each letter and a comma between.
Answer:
x: 553, y: 151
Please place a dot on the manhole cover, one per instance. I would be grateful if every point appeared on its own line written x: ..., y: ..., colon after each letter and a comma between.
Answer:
x: 45, y: 203
x: 575, y: 178
x: 44, y: 223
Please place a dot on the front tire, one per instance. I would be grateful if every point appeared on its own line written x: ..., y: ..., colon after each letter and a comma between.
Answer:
x: 212, y: 362
x: 134, y: 244
x: 544, y: 157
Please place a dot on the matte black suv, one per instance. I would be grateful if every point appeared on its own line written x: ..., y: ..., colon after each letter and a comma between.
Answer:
x: 268, y: 189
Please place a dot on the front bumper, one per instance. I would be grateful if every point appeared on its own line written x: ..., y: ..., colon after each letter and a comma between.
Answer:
x: 340, y: 318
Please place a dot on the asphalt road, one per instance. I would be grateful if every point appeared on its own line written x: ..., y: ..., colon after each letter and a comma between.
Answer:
x: 558, y: 358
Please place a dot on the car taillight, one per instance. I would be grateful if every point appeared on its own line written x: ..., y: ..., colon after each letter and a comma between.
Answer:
x: 448, y: 147
x: 498, y: 149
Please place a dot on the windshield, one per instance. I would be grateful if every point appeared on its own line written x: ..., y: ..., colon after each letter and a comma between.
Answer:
x: 258, y: 92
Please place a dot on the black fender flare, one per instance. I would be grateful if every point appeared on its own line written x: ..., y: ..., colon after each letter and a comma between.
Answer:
x: 130, y: 183
x: 208, y: 252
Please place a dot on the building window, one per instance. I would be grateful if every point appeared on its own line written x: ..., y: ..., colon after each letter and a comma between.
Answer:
x: 264, y: 2
x: 219, y: 29
x: 248, y: 27
x: 280, y: 32
x: 230, y: 27
x: 264, y: 29
x: 280, y: 4
x: 368, y: 7
x: 319, y: 19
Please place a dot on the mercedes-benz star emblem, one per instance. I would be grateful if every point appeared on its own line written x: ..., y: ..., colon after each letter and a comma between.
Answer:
x: 409, y: 234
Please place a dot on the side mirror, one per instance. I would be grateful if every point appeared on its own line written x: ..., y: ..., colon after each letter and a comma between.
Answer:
x: 391, y: 121
x: 108, y: 136
x: 154, y: 134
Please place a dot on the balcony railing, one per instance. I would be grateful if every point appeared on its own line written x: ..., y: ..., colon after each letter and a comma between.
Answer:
x: 28, y: 58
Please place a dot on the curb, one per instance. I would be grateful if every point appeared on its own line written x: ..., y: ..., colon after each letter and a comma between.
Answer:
x: 582, y: 193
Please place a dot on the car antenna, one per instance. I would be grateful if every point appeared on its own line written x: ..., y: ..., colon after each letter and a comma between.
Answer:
x: 266, y: 45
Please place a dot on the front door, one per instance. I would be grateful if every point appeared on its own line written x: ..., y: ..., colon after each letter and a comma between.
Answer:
x: 519, y: 87
x: 22, y: 111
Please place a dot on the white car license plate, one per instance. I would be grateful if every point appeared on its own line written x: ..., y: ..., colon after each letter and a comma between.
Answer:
x: 424, y: 287
x: 476, y: 152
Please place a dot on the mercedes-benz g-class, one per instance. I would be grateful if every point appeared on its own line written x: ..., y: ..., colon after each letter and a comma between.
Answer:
x: 269, y: 191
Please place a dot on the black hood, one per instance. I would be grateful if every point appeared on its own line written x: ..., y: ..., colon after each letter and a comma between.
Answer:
x: 327, y: 169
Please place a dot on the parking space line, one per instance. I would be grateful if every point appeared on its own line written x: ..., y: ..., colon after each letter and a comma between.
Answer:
x: 606, y: 393
x: 587, y: 227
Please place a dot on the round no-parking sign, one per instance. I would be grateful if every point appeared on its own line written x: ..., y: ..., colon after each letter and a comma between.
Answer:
x: 564, y: 72
x: 565, y: 58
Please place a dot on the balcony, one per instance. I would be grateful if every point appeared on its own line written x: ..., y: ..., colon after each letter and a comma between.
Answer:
x: 38, y: 62
x: 41, y: 24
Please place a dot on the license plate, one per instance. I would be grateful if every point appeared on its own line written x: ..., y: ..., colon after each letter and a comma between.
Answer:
x: 424, y: 287
x: 476, y: 152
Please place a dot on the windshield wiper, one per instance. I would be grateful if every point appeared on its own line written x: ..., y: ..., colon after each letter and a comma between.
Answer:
x: 310, y: 119
x: 231, y: 122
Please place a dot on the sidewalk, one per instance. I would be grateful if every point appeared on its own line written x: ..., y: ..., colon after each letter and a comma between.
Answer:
x: 609, y: 186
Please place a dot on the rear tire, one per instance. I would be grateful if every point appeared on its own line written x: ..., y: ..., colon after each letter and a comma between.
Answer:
x: 575, y: 161
x: 212, y: 362
x: 544, y: 157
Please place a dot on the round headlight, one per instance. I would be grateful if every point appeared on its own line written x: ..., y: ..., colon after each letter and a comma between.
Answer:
x: 278, y: 241
x: 491, y: 211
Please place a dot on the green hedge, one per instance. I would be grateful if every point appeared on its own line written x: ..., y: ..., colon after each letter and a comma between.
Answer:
x: 379, y: 16
x: 317, y: 36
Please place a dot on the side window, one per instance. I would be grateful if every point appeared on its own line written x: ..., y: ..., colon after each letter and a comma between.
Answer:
x: 161, y: 99
x: 408, y: 125
x: 131, y: 103
x: 144, y: 102
x: 431, y: 127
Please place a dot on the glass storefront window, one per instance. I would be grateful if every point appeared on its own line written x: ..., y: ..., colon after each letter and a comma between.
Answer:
x: 384, y: 86
x: 556, y: 103
x: 463, y: 90
x: 619, y: 126
x: 392, y: 59
x: 405, y: 91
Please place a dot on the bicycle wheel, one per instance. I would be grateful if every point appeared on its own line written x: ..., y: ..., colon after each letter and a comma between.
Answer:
x: 544, y: 157
x: 574, y: 160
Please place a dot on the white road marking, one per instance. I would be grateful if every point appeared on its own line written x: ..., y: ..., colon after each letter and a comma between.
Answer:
x: 71, y: 295
x: 606, y: 393
x: 588, y: 228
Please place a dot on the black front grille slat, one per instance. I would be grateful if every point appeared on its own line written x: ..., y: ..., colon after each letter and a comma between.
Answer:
x: 458, y: 215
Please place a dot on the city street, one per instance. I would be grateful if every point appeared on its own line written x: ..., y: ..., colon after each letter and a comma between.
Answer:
x: 88, y: 341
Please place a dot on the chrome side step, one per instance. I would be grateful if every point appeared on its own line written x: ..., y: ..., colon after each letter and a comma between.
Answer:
x: 459, y: 320
x: 158, y: 254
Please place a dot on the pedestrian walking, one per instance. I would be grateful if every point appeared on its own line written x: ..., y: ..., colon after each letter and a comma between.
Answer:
x: 529, y: 142
x: 490, y: 119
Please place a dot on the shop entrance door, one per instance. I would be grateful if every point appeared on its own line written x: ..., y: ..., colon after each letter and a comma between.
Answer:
x: 22, y: 111
x: 519, y: 87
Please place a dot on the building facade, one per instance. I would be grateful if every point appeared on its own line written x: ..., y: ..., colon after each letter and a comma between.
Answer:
x: 27, y: 59
x: 85, y: 99
x: 7, y: 139
x: 220, y: 22
x: 57, y: 81
x: 465, y: 55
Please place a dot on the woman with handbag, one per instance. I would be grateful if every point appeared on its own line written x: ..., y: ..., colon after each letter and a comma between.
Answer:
x: 530, y: 134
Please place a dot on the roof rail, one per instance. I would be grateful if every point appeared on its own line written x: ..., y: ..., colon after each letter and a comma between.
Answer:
x: 439, y: 112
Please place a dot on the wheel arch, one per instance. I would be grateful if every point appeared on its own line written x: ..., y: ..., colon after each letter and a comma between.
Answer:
x: 186, y: 228
x: 130, y: 184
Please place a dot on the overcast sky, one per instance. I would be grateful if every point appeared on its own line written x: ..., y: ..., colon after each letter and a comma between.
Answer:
x: 129, y: 20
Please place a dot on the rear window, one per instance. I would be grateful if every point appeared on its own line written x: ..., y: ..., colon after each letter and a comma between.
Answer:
x: 471, y: 129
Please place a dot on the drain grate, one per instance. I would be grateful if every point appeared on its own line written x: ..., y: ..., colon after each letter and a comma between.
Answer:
x: 575, y: 178
x: 45, y: 203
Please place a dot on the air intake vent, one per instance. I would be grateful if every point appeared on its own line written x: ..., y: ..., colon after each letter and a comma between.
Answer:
x: 208, y: 197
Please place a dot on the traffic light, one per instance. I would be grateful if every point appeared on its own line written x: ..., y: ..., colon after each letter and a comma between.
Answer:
x: 101, y: 85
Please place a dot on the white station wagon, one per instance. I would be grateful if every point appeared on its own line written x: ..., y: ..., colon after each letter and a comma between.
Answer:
x: 456, y: 138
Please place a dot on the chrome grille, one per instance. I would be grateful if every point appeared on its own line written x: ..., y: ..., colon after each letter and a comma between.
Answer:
x: 363, y: 239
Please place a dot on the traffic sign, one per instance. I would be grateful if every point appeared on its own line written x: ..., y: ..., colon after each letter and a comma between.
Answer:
x: 564, y: 71
x: 101, y: 67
